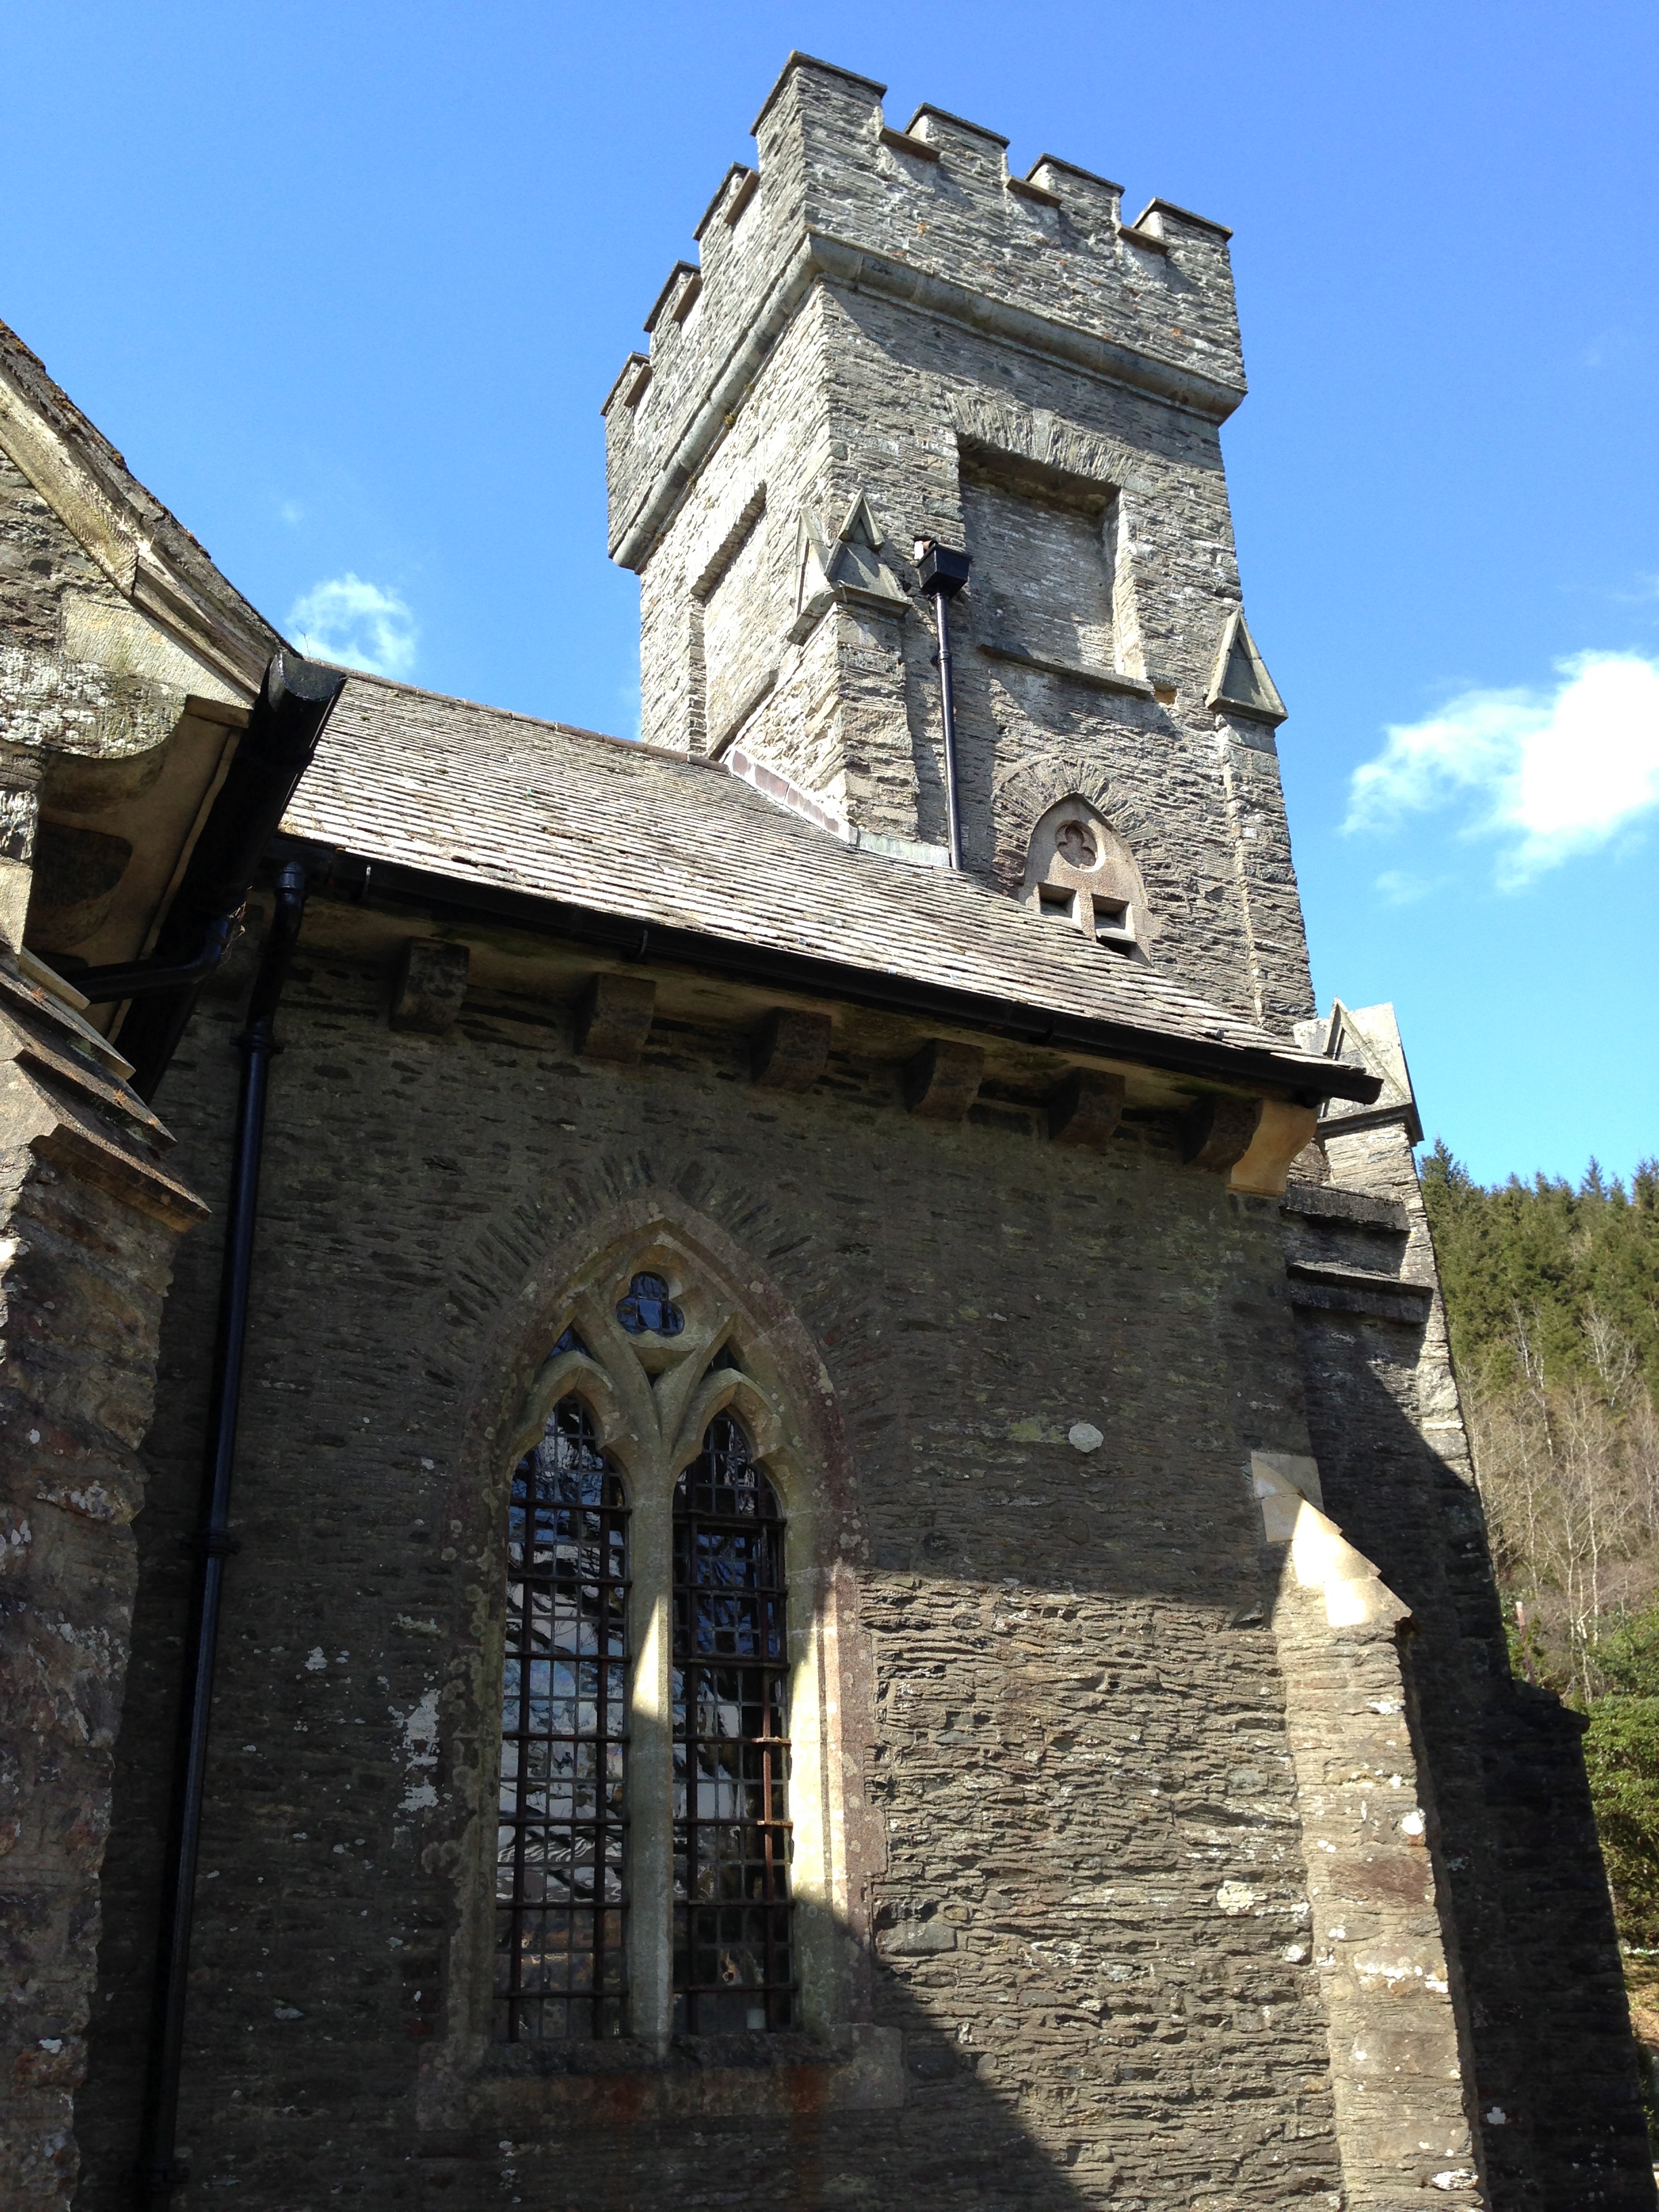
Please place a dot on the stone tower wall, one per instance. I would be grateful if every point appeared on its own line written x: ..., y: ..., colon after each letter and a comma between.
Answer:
x: 889, y: 314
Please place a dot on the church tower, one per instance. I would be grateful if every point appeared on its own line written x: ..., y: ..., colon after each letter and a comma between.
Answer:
x: 891, y: 337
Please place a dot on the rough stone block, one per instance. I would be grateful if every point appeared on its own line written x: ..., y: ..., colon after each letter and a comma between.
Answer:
x: 429, y: 985
x: 1217, y: 1132
x: 1086, y: 1108
x: 615, y: 1019
x: 791, y: 1048
x: 942, y: 1082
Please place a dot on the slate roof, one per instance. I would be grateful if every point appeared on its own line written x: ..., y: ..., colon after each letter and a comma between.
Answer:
x: 492, y: 798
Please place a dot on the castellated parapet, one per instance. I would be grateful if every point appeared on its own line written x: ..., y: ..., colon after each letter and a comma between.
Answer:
x: 889, y: 336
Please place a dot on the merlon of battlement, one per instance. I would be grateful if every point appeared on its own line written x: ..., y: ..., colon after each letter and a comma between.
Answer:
x: 798, y: 60
x: 943, y: 123
x: 1162, y: 207
x: 724, y: 192
x: 932, y: 220
x: 680, y: 270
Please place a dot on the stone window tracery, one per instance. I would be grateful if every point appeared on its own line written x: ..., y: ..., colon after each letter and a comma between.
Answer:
x: 653, y: 1878
x: 1080, y: 873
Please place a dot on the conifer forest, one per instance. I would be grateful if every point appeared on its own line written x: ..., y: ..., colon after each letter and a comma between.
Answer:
x: 1553, y: 1297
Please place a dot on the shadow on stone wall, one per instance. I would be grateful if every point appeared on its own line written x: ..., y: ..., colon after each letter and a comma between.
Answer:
x: 1530, y: 1926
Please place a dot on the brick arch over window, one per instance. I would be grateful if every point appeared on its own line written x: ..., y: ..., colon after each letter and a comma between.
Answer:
x: 652, y: 1397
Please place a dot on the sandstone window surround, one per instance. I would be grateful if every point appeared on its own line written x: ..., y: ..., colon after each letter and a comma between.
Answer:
x: 652, y: 1402
x: 1080, y: 873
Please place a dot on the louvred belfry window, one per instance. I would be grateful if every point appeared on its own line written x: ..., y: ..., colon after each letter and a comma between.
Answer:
x: 560, y: 1962
x: 733, y: 1967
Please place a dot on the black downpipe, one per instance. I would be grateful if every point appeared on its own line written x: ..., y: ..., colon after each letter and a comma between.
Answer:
x: 943, y: 573
x: 158, y: 2171
x: 284, y: 726
x: 136, y: 979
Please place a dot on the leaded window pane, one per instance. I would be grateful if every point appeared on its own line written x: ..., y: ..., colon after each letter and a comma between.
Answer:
x: 733, y: 1963
x: 560, y: 1892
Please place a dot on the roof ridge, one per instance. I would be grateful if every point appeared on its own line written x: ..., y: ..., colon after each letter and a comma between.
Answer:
x: 635, y: 745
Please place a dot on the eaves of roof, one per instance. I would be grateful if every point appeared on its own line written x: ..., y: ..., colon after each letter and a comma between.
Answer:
x: 339, y: 869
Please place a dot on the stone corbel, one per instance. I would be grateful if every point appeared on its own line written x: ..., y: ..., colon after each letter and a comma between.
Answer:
x: 790, y: 1049
x: 1085, y: 1108
x: 1283, y: 1131
x: 1216, y: 1132
x: 615, y: 1019
x: 942, y: 1082
x: 429, y: 985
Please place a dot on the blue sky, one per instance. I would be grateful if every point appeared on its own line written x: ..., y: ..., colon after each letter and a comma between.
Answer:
x: 346, y: 284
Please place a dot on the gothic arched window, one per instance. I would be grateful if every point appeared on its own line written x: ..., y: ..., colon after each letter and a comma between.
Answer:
x: 649, y: 1880
x: 1079, y: 872
x: 561, y: 1948
x: 733, y: 1967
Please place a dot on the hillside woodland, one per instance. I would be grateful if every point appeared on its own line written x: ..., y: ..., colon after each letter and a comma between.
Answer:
x: 1552, y: 1298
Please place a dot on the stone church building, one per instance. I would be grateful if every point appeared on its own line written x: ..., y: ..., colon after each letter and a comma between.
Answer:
x: 818, y: 1548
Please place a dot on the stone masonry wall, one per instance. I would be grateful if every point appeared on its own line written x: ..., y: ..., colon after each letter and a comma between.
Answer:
x: 1085, y: 1882
x: 1529, y: 1926
x: 90, y: 1219
x: 873, y: 383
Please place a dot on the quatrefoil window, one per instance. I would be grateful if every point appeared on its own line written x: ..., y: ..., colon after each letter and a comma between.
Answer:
x: 647, y: 1311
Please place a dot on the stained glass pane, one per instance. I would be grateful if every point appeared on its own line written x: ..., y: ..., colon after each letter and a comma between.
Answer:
x: 560, y: 1962
x: 733, y: 1963
x: 648, y: 1309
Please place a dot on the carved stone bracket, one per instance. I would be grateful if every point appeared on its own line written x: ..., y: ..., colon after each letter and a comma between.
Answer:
x: 942, y: 1082
x: 1086, y: 1107
x: 429, y: 987
x: 790, y: 1049
x: 615, y: 1019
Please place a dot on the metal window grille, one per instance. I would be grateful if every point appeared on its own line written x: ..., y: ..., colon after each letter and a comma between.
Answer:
x: 561, y: 1964
x: 733, y: 1967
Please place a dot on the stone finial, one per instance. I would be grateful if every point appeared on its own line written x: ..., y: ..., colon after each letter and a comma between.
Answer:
x: 615, y: 1017
x: 429, y: 985
x: 1086, y: 1107
x: 942, y: 1082
x: 791, y: 1048
x: 1239, y: 682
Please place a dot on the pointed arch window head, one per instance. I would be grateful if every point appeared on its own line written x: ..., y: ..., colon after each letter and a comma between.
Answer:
x: 561, y: 1953
x: 733, y: 1955
x: 646, y: 1866
x: 1080, y: 873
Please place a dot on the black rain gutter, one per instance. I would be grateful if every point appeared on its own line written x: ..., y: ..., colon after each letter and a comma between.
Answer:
x: 158, y: 2172
x: 364, y: 879
x: 284, y: 725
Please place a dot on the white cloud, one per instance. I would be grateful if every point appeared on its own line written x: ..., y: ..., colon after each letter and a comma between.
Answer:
x: 1551, y: 774
x: 1400, y: 889
x: 356, y: 625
